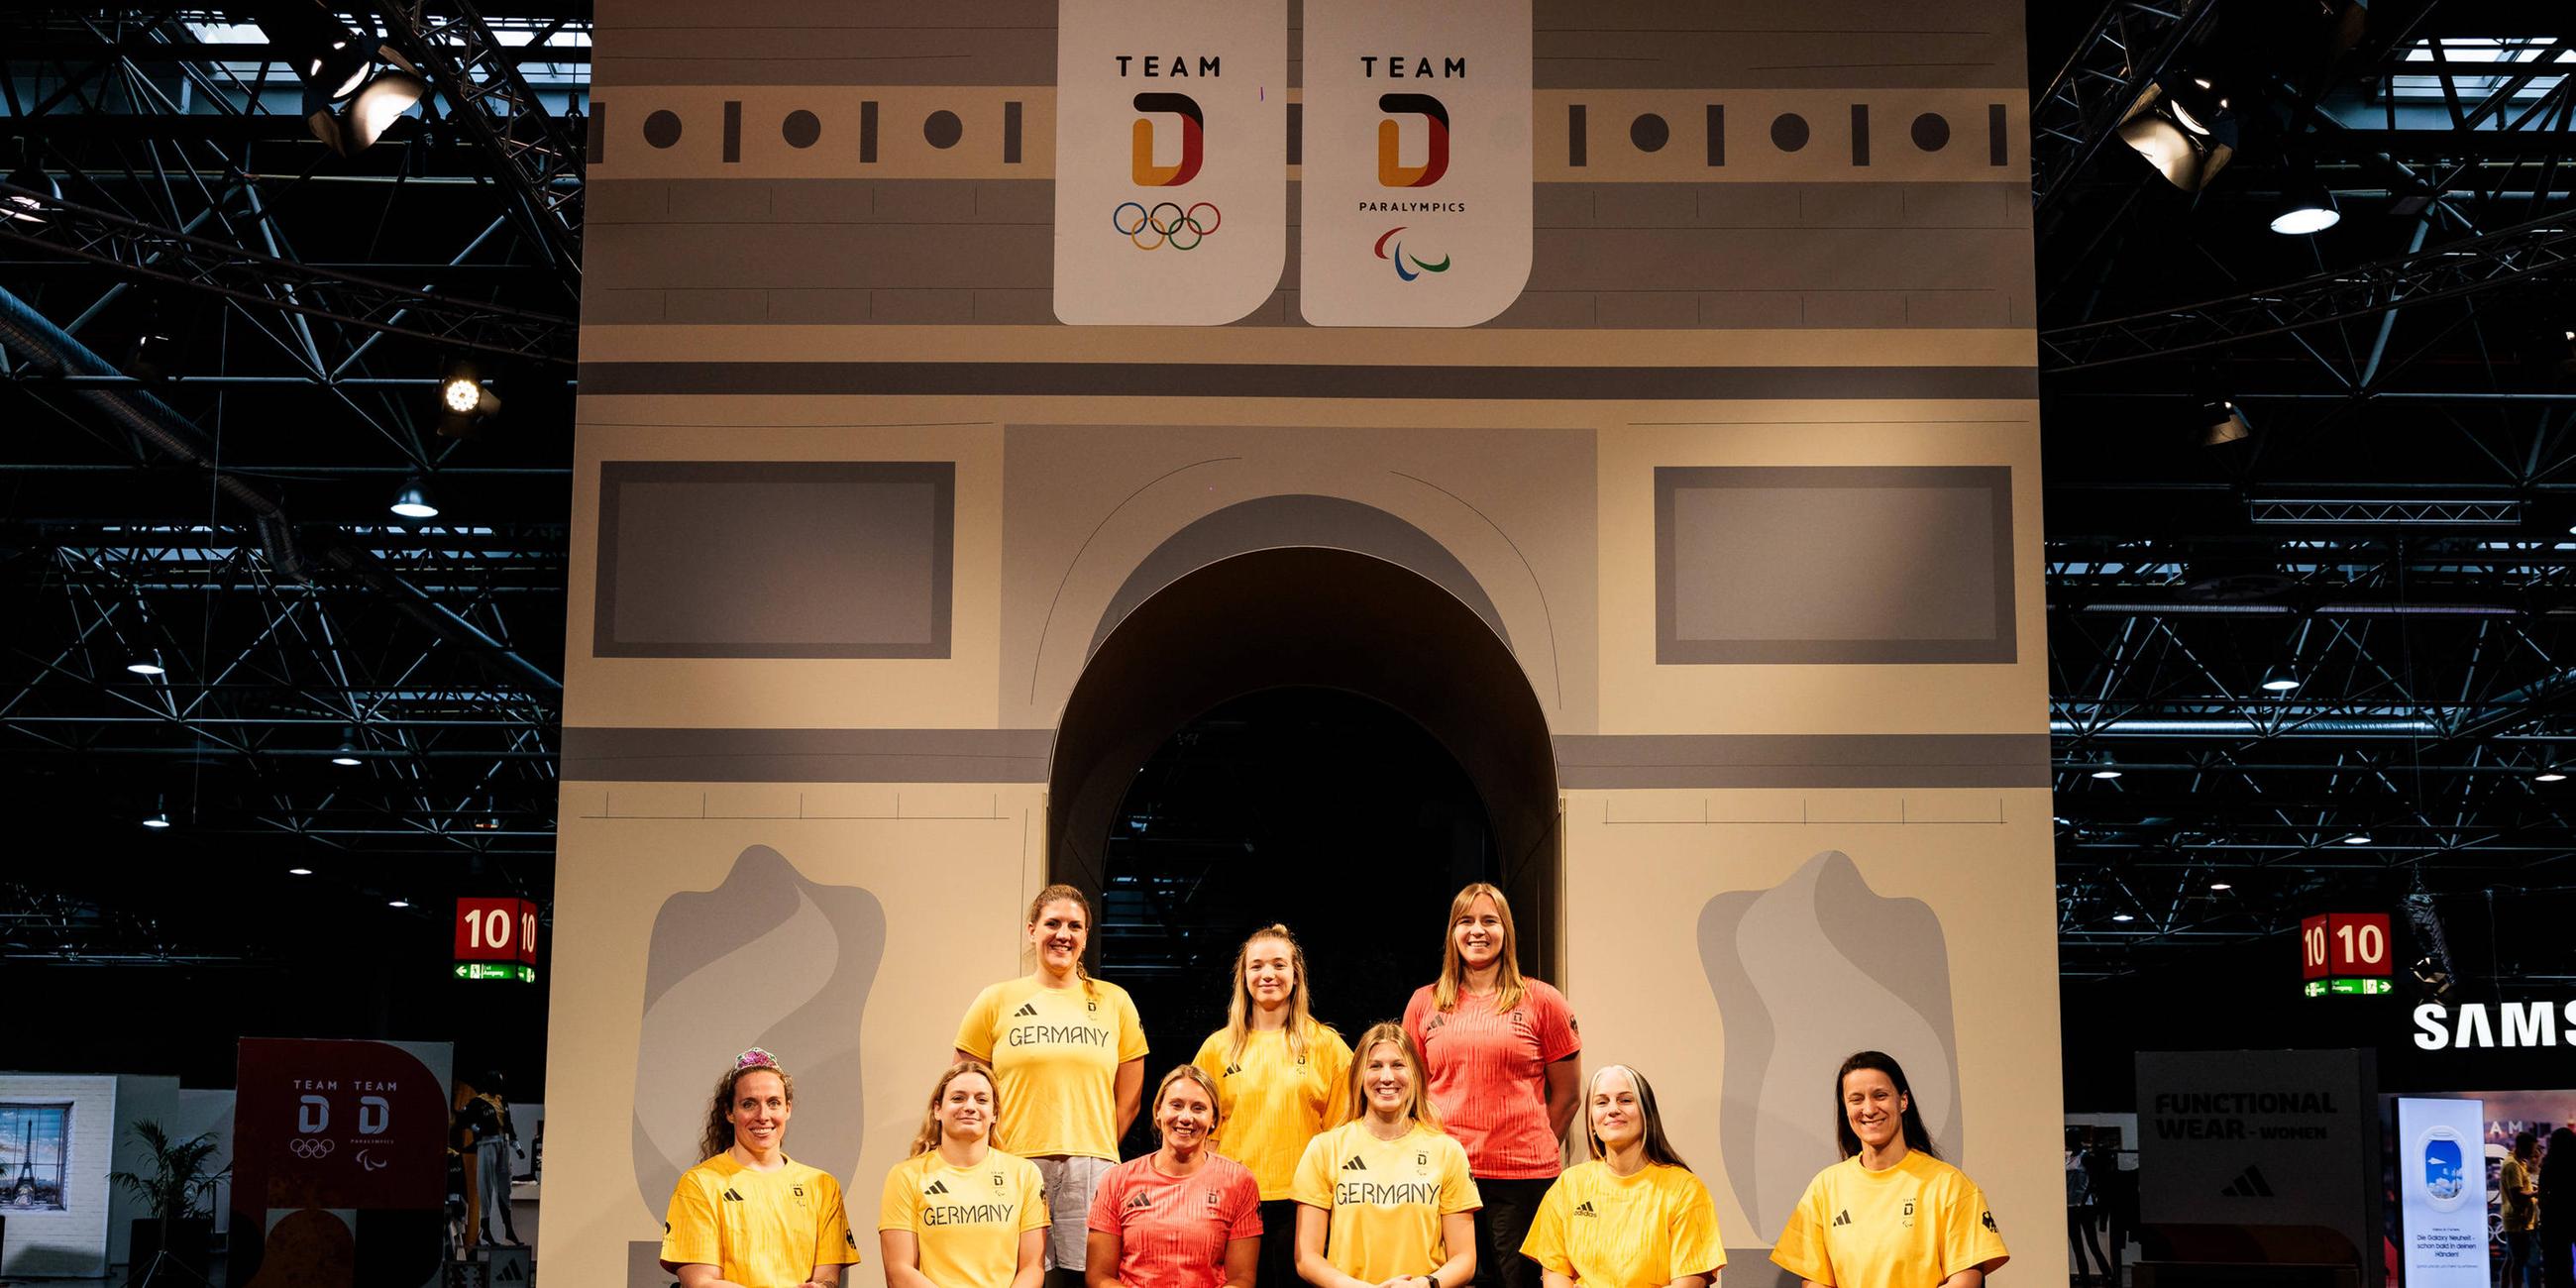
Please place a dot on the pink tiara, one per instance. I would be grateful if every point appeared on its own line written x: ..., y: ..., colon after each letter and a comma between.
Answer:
x: 755, y: 1058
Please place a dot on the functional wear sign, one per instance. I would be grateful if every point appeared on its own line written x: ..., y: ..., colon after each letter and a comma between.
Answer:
x: 1415, y: 200
x: 1171, y: 160
x: 2260, y: 1138
x: 2442, y: 1192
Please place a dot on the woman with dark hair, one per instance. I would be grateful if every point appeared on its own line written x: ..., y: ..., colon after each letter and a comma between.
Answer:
x: 1633, y: 1216
x: 1503, y: 1060
x: 959, y: 1213
x: 1385, y: 1198
x: 2558, y: 1210
x: 1891, y: 1214
x: 1278, y: 1074
x: 750, y: 1215
x: 1182, y: 1216
x: 1069, y: 1055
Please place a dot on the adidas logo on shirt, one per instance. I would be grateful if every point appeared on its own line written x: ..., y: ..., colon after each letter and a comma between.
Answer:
x: 1236, y: 1070
x: 1843, y: 1217
x: 1026, y: 1008
x: 1139, y: 1199
x: 1585, y: 1209
x: 1356, y: 1164
x: 937, y: 1187
x: 731, y: 1197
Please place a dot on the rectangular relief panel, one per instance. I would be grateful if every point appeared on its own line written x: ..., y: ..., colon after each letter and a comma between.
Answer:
x: 775, y: 559
x: 1833, y: 564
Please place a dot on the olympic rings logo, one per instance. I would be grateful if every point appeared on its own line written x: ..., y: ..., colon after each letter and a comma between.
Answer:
x: 311, y: 1147
x: 1197, y: 224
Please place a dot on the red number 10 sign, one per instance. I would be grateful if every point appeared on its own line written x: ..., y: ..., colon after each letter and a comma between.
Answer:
x: 2343, y: 943
x: 499, y: 930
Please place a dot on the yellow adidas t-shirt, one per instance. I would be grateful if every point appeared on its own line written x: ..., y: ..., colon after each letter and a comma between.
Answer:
x: 1057, y: 1052
x: 758, y: 1229
x: 1270, y: 1101
x: 966, y: 1221
x: 1642, y: 1231
x: 1386, y: 1198
x: 1916, y: 1223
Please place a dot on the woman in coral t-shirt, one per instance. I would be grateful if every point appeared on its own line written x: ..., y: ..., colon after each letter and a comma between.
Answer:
x: 1504, y: 1058
x: 1182, y: 1216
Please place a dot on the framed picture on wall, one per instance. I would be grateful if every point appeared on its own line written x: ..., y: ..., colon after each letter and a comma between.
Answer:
x: 35, y: 1145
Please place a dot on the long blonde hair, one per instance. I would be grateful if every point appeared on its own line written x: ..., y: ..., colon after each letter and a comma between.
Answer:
x: 1302, y: 1027
x: 718, y: 1136
x: 927, y: 1139
x: 1420, y: 1109
x: 1508, y: 985
x: 1062, y: 893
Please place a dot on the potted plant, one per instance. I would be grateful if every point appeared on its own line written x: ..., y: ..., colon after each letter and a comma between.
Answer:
x: 181, y: 1227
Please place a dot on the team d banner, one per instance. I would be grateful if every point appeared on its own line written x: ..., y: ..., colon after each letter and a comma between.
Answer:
x: 2442, y: 1192
x: 1415, y: 195
x: 1171, y: 160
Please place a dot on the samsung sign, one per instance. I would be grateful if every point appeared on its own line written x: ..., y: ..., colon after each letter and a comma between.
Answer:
x: 2506, y: 1024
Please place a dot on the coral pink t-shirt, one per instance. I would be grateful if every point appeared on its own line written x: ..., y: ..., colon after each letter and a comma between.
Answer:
x: 1172, y: 1230
x: 1489, y: 1075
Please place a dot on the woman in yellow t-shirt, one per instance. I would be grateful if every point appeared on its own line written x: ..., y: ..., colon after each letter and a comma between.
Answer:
x: 960, y: 1213
x: 1633, y: 1216
x: 1891, y: 1214
x: 1386, y: 1196
x: 1279, y: 1075
x: 749, y: 1216
x: 1068, y: 1053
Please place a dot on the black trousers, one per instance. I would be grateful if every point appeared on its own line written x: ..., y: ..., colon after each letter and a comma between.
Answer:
x: 1278, y: 1245
x: 1510, y: 1207
x: 2557, y: 1252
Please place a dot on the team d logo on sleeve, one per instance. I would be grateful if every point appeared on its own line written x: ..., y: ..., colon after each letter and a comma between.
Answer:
x: 1415, y: 206
x: 1171, y: 160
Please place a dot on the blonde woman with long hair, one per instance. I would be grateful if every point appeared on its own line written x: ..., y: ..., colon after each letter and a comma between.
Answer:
x: 749, y: 1214
x: 1069, y: 1054
x: 1279, y: 1076
x: 1183, y: 1216
x: 1503, y: 1059
x: 1385, y: 1198
x: 1633, y: 1215
x: 959, y: 1213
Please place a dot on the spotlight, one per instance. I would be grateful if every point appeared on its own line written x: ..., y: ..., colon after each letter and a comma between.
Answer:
x: 2279, y: 680
x: 464, y: 401
x: 2306, y: 207
x: 348, y: 753
x: 2222, y: 421
x: 352, y: 92
x: 149, y: 665
x: 2184, y: 128
x: 413, y: 501
x: 39, y: 187
x: 379, y: 103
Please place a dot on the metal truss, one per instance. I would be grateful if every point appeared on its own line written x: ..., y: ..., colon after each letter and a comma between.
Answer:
x: 2544, y: 246
x: 480, y: 77
x: 56, y: 929
x: 2126, y: 48
x: 2384, y: 512
x: 142, y: 252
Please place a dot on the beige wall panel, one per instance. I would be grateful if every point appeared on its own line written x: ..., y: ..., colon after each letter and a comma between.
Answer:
x: 789, y: 693
x: 601, y: 343
x: 1641, y: 872
x: 1640, y: 696
x: 953, y: 875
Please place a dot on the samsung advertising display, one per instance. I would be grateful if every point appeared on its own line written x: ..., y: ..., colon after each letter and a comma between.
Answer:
x: 2442, y: 1193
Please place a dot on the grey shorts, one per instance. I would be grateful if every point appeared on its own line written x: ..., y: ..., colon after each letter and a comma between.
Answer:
x: 1070, y: 1182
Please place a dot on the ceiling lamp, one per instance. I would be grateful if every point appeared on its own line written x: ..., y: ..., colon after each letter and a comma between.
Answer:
x: 348, y: 752
x: 2106, y: 771
x: 148, y: 665
x: 2222, y: 421
x: 2122, y: 917
x: 353, y: 89
x: 299, y: 872
x: 37, y: 188
x: 2220, y: 887
x: 2357, y: 838
x: 2184, y: 128
x: 412, y: 502
x: 2306, y: 206
x: 2280, y: 679
x: 2550, y: 774
x: 159, y: 818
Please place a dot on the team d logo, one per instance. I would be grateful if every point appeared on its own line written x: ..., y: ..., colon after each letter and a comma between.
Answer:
x: 1415, y: 209
x: 1171, y: 160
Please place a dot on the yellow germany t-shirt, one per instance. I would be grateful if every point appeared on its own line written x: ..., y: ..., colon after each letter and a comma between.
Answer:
x: 1057, y: 1052
x: 1642, y: 1231
x: 1270, y: 1100
x: 758, y: 1229
x: 1386, y: 1198
x: 1916, y: 1223
x: 966, y: 1221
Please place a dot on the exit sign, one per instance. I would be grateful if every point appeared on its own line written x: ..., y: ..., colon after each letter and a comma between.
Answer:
x: 488, y: 970
x: 2364, y: 987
